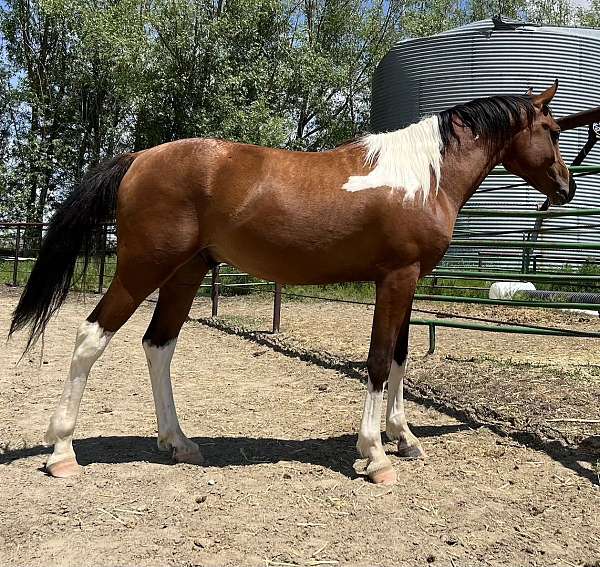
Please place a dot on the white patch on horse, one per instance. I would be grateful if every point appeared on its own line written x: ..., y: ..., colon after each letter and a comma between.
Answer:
x: 402, y: 160
x: 170, y: 435
x: 89, y: 345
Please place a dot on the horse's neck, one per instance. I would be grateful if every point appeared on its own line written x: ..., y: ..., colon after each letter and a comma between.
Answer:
x: 464, y: 168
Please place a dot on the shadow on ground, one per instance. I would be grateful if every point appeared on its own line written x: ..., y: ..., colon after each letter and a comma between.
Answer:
x: 336, y: 453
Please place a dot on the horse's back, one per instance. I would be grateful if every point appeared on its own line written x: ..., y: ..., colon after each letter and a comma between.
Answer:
x: 217, y: 180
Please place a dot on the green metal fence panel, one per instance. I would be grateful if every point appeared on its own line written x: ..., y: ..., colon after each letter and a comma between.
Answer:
x: 502, y: 328
x: 500, y: 171
x: 508, y: 303
x: 531, y: 214
x: 511, y: 276
x: 487, y: 243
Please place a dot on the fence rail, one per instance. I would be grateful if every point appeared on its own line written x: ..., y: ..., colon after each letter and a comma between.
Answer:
x: 462, y: 270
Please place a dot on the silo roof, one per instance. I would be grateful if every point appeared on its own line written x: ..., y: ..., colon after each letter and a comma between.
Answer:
x: 491, y: 25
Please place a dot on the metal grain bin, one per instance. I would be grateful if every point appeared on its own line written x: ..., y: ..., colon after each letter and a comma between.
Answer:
x: 426, y: 75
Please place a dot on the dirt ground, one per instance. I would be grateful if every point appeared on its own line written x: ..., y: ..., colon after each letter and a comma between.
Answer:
x: 526, y: 378
x: 278, y: 434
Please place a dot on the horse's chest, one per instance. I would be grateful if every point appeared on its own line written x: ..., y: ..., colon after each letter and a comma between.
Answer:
x: 422, y: 239
x: 433, y: 245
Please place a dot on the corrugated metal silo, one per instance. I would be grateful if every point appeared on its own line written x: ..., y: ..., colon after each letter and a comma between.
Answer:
x: 423, y: 76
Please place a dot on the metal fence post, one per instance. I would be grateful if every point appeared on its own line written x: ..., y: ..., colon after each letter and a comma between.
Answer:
x: 16, y: 260
x: 103, y: 232
x: 277, y: 308
x: 431, y: 339
x: 214, y: 291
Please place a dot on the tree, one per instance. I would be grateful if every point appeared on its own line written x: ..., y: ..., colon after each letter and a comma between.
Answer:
x: 81, y: 80
x: 211, y: 70
x: 336, y: 45
x: 37, y: 49
x: 590, y: 17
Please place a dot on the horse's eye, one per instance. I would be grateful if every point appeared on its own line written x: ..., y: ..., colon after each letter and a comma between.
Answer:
x: 555, y: 136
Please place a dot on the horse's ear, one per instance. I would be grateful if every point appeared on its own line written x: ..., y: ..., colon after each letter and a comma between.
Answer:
x: 544, y: 98
x: 529, y: 91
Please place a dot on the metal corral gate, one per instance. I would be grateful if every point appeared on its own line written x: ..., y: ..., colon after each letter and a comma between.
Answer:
x: 17, y: 262
x: 557, y: 278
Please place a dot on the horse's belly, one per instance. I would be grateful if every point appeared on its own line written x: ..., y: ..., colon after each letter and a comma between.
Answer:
x: 292, y: 263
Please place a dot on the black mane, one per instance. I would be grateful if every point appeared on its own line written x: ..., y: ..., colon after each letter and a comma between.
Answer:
x: 494, y: 119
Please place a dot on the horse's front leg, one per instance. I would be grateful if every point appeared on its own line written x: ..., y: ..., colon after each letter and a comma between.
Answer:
x: 395, y: 292
x: 396, y: 426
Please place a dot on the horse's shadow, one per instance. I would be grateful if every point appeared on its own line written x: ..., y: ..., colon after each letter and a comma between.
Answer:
x: 336, y: 453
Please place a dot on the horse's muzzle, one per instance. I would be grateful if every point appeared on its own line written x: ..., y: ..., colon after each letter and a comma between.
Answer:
x: 565, y: 193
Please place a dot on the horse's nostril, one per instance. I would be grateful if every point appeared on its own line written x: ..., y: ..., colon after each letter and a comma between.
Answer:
x: 561, y: 196
x: 565, y: 195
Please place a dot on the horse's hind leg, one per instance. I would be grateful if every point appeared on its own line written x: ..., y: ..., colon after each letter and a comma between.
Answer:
x: 90, y: 343
x: 113, y: 310
x: 174, y: 302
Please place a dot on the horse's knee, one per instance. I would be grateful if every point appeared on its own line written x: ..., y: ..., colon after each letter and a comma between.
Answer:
x: 378, y: 367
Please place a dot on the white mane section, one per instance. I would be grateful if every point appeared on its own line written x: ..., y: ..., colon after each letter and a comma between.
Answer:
x: 403, y: 159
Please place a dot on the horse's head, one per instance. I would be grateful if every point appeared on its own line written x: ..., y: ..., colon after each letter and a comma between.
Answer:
x: 535, y: 156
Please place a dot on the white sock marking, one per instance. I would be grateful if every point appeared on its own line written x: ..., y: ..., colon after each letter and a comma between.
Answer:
x: 403, y: 159
x: 369, y: 437
x: 396, y: 425
x: 89, y: 345
x: 169, y: 430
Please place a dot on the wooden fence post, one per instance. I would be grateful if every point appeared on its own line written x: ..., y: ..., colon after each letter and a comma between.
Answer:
x: 16, y: 260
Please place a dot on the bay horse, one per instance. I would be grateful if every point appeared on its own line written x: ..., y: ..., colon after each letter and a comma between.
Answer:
x: 381, y: 208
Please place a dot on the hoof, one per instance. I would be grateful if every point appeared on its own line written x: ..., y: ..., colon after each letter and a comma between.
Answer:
x: 64, y: 469
x: 385, y: 476
x: 411, y: 451
x: 189, y: 457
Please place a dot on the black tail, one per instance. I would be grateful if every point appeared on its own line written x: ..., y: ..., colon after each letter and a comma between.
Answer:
x: 72, y: 232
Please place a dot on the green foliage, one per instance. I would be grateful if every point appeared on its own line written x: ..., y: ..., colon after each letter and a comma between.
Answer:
x: 431, y: 17
x: 454, y: 287
x: 81, y: 80
x: 590, y: 17
x: 589, y: 267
